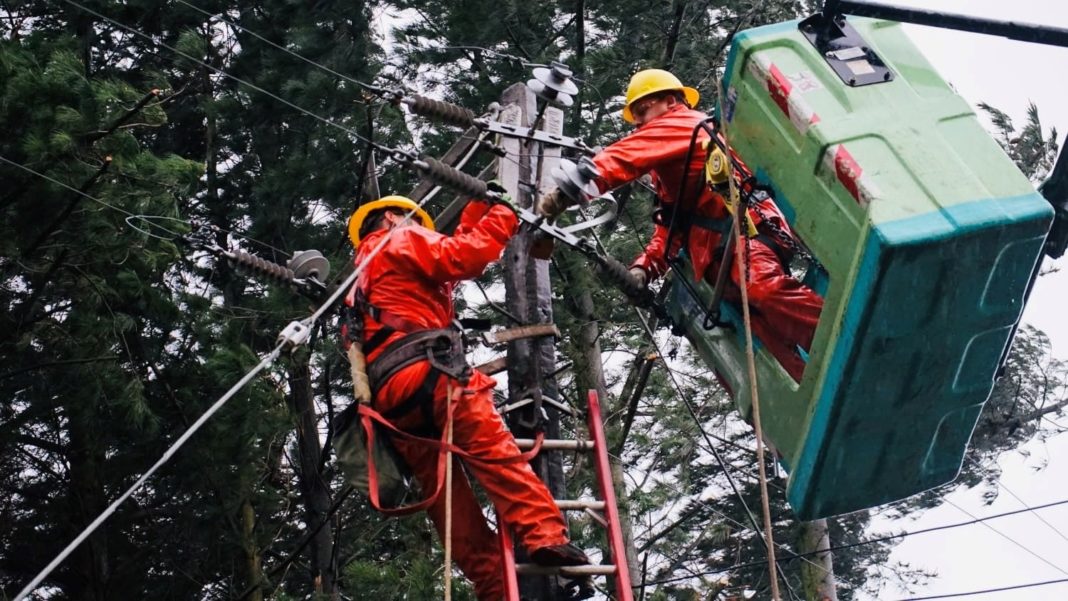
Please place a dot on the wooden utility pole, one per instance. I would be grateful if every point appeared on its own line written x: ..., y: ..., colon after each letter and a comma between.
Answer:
x: 528, y: 296
x: 817, y: 573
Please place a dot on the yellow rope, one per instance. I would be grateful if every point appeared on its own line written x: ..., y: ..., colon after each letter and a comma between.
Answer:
x: 741, y: 259
x: 448, y: 499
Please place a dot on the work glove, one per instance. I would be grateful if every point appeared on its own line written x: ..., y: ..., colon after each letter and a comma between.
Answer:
x: 639, y: 274
x: 502, y: 197
x: 551, y: 204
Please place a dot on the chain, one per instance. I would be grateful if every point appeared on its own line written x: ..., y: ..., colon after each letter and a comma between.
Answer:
x: 783, y: 237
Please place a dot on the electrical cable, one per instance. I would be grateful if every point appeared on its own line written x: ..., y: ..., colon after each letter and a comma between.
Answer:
x: 1022, y: 502
x: 146, y: 218
x: 263, y: 364
x: 347, y: 78
x: 1010, y: 539
x: 756, y: 564
x: 988, y: 590
x: 149, y: 220
x: 697, y: 421
x: 235, y: 78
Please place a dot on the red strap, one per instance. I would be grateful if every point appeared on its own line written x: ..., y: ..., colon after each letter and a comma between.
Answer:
x: 367, y: 415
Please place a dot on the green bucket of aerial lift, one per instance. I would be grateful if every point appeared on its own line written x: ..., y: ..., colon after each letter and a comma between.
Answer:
x: 929, y: 236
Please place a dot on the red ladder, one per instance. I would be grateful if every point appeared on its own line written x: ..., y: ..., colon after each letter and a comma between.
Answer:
x: 607, y: 504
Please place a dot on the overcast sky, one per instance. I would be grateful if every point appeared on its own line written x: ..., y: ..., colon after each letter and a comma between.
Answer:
x: 1005, y: 74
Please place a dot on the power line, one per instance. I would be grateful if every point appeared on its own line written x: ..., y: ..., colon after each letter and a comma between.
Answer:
x: 1040, y: 518
x: 708, y: 441
x: 263, y: 364
x: 237, y: 79
x: 363, y: 85
x: 988, y: 590
x: 752, y: 564
x: 150, y: 221
x: 146, y: 218
x: 1010, y: 539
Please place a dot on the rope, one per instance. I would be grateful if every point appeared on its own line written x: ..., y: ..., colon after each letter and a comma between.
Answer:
x: 448, y: 502
x: 707, y: 437
x: 741, y: 258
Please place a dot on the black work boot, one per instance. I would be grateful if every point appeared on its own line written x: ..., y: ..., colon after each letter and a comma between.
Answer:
x: 555, y: 556
x: 576, y: 589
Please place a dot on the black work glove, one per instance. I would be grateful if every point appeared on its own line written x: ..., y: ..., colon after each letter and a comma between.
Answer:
x: 501, y: 197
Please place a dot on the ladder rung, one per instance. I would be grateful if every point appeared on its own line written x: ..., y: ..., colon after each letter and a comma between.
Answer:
x: 554, y: 444
x: 569, y: 505
x: 531, y: 569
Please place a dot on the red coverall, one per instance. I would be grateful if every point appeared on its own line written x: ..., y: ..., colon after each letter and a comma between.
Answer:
x: 412, y: 277
x: 785, y: 312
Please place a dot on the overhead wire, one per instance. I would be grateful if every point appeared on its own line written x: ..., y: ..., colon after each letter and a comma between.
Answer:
x: 712, y: 448
x: 1011, y: 540
x: 129, y: 215
x: 872, y: 541
x: 1005, y: 486
x: 987, y: 591
x: 230, y: 23
x: 130, y: 218
x: 357, y: 135
x: 263, y: 364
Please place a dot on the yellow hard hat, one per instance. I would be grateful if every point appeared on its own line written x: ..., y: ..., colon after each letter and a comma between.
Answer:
x: 651, y: 81
x: 388, y: 202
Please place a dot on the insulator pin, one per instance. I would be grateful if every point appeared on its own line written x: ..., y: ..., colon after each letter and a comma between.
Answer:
x: 446, y: 112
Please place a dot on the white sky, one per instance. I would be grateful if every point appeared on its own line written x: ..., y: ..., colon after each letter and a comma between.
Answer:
x: 1006, y: 74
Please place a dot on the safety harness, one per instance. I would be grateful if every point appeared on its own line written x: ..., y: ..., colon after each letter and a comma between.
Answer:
x: 751, y: 194
x: 443, y: 349
x: 723, y: 225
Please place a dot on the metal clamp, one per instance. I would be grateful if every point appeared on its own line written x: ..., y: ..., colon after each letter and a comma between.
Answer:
x: 537, y: 135
x: 293, y: 335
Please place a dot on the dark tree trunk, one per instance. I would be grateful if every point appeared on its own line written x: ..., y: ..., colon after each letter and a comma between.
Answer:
x: 314, y: 491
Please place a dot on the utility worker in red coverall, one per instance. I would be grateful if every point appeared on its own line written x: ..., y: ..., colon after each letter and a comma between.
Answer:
x: 785, y: 312
x: 405, y: 291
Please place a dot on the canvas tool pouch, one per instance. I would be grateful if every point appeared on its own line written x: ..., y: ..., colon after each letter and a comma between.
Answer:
x: 351, y: 446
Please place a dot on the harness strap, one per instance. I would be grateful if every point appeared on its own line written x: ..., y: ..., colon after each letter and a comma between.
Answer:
x: 375, y: 341
x: 724, y: 226
x: 784, y: 255
x: 369, y: 417
x: 382, y: 316
x: 443, y: 348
